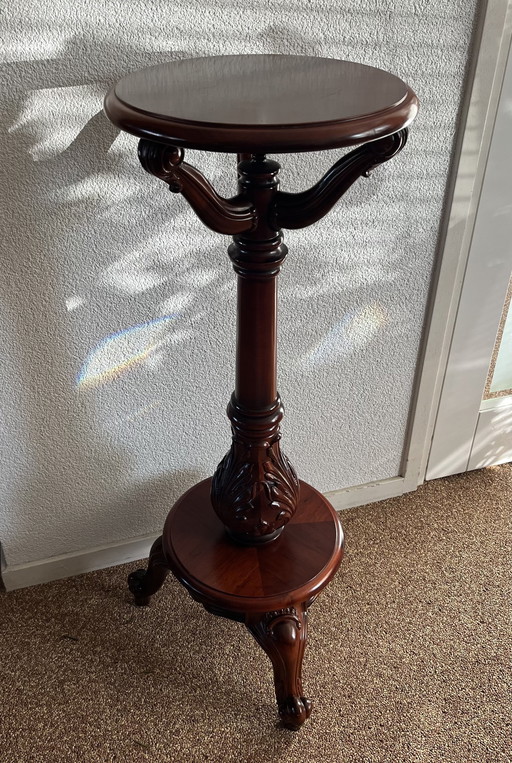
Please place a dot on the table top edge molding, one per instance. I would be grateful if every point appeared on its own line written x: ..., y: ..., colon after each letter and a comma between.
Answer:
x: 288, y: 138
x: 352, y: 104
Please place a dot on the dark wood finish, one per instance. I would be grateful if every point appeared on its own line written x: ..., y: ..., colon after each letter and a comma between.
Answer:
x: 297, y: 210
x: 254, y: 544
x: 227, y: 216
x: 255, y: 488
x: 261, y: 578
x: 268, y: 586
x: 144, y: 583
x: 261, y: 103
x: 282, y: 634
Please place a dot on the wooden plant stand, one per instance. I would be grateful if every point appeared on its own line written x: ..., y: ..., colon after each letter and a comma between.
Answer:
x: 254, y: 543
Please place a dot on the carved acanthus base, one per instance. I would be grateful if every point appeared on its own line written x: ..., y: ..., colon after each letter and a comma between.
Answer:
x: 255, y: 489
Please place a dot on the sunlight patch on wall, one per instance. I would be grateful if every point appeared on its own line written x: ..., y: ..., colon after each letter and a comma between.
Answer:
x: 97, y: 186
x: 132, y: 275
x: 33, y: 45
x: 177, y: 302
x: 124, y: 350
x: 350, y: 334
x: 123, y: 146
x: 199, y: 276
x: 74, y: 302
x: 53, y: 117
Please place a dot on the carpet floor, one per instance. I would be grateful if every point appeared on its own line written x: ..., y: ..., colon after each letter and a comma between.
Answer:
x: 409, y: 655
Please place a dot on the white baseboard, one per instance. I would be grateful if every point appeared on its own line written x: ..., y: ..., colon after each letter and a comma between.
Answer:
x: 65, y: 566
x: 370, y: 492
x: 44, y: 570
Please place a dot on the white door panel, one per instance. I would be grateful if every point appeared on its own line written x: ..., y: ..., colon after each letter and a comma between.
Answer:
x: 493, y: 437
x: 484, y: 291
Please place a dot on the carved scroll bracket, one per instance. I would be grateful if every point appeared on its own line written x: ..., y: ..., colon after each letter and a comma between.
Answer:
x: 228, y: 216
x: 298, y: 210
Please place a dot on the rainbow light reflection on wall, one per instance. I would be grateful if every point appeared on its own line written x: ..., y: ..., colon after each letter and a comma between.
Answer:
x: 352, y: 332
x: 126, y: 349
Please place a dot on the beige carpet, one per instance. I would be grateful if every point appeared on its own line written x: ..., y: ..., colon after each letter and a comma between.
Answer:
x: 408, y: 659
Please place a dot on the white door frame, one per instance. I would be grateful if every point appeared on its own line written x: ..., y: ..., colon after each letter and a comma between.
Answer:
x: 478, y: 111
x: 472, y: 156
x: 491, y: 43
x: 465, y: 438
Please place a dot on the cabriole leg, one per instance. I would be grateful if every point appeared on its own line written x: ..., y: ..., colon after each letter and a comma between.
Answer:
x: 144, y: 583
x: 282, y: 634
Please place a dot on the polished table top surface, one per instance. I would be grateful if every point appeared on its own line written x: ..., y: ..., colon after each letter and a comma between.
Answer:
x: 261, y: 103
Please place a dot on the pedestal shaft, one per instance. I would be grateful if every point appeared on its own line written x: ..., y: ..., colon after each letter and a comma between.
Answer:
x: 255, y: 489
x: 256, y: 346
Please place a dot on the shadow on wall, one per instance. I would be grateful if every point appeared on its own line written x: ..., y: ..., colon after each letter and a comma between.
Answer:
x: 67, y: 470
x: 61, y: 474
x: 60, y: 471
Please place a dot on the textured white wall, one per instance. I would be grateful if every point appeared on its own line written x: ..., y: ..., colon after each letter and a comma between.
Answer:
x: 117, y: 305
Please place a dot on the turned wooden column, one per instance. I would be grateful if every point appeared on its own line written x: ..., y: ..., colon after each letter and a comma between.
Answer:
x: 253, y: 543
x: 255, y: 488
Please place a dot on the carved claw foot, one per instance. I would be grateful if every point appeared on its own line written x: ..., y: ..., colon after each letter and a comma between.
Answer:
x: 282, y: 634
x: 294, y: 711
x: 144, y: 583
x: 136, y: 586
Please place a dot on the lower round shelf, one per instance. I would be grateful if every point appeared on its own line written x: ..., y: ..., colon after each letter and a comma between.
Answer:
x: 243, y: 579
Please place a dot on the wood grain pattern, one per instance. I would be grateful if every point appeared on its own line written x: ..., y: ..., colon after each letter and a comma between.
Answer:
x: 267, y: 587
x: 261, y: 103
x: 295, y: 566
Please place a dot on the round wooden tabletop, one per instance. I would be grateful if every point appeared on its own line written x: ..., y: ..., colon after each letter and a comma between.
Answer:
x: 261, y: 103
